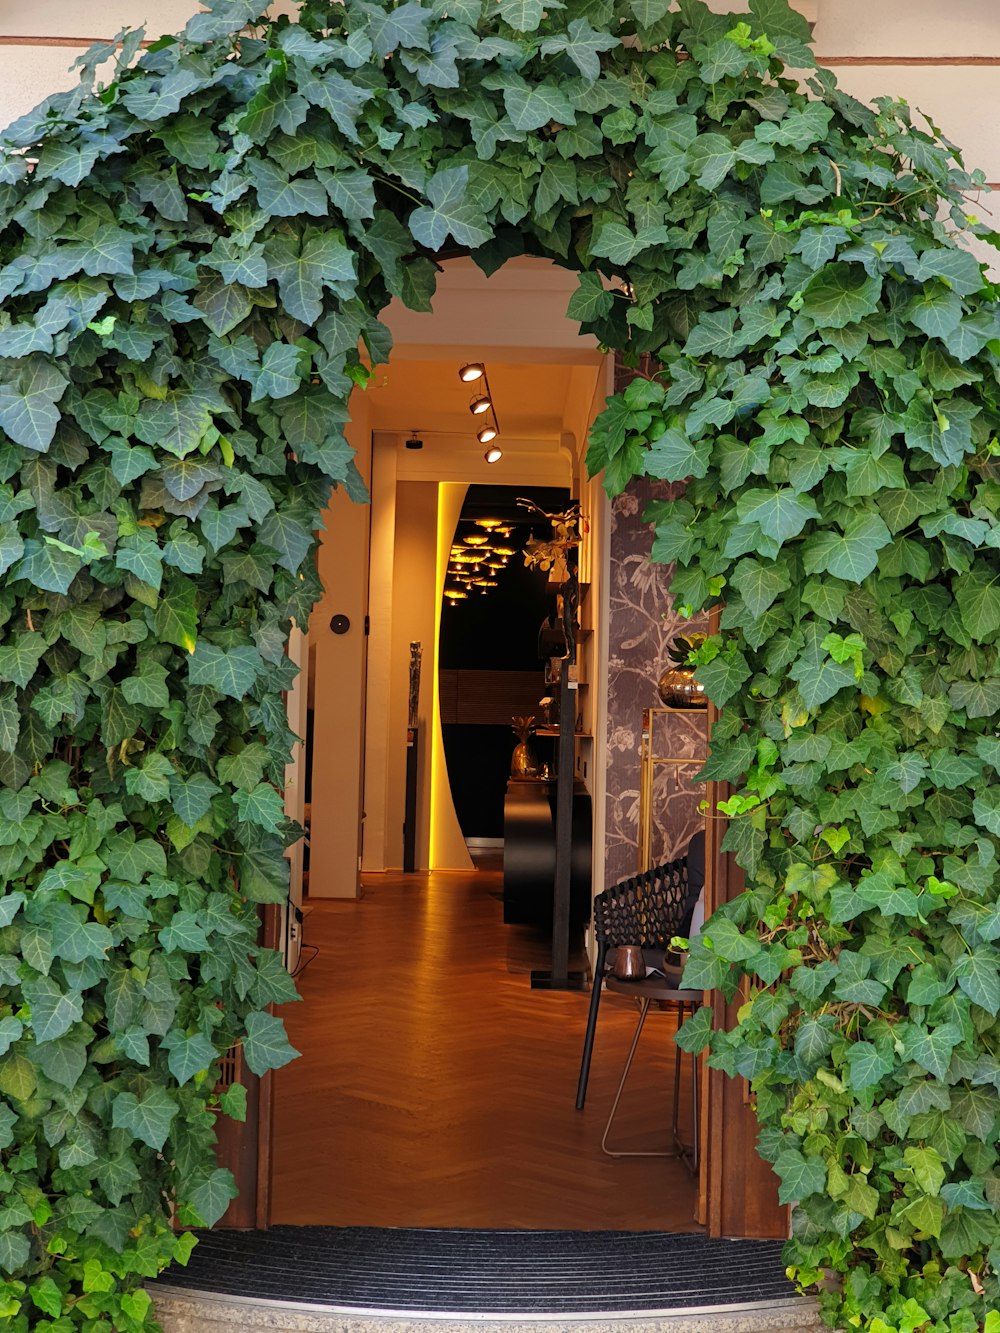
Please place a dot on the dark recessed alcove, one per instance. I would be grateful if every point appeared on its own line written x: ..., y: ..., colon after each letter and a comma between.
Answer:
x: 488, y: 658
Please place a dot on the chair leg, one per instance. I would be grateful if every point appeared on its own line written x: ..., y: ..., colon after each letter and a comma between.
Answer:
x: 611, y: 1152
x: 695, y: 1153
x: 678, y: 1055
x: 689, y: 1153
x: 588, y: 1040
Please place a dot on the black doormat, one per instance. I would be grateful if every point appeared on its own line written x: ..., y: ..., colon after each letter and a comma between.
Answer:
x: 485, y: 1272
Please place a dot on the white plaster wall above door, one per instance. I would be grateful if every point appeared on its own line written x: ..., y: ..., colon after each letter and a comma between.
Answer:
x: 907, y: 28
x: 71, y: 18
x: 520, y: 309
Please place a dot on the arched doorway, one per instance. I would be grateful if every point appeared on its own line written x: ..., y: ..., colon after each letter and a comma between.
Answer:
x: 742, y: 1203
x: 237, y: 412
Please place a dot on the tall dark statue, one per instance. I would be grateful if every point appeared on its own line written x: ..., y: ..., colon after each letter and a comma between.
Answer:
x: 570, y: 599
x: 416, y: 652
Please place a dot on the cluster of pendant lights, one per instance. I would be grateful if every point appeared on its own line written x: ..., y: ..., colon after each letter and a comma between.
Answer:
x: 477, y: 559
x: 474, y: 372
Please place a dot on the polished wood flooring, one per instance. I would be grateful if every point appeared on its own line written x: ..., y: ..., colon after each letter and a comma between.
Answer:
x: 436, y: 1089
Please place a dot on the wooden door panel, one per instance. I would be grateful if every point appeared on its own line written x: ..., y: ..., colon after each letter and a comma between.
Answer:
x: 740, y: 1191
x: 245, y: 1148
x: 237, y: 1144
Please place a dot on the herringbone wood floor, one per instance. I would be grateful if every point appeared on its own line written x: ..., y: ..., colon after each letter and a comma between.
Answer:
x: 436, y: 1089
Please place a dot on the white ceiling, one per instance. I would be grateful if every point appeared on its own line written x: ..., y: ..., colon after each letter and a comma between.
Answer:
x: 428, y: 397
x: 516, y: 323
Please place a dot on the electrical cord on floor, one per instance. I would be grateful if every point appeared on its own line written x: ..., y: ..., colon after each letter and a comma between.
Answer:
x: 313, y: 954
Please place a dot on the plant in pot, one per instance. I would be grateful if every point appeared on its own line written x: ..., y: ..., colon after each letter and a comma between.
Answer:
x: 677, y: 686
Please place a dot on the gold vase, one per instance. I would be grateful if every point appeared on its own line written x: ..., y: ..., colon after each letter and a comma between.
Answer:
x: 523, y: 763
x: 678, y: 688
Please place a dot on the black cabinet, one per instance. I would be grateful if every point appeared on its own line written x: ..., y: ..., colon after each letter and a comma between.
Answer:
x: 530, y: 831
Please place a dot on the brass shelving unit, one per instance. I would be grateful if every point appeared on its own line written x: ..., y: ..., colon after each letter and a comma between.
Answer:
x: 649, y: 761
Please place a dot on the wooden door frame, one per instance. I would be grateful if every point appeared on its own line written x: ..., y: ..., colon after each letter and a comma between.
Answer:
x: 729, y: 1126
x: 245, y: 1147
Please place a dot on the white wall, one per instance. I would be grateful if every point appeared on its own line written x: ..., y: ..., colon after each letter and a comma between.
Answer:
x: 944, y: 60
x: 339, y: 663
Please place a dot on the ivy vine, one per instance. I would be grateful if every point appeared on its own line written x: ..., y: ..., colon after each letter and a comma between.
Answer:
x: 192, y: 263
x: 827, y: 385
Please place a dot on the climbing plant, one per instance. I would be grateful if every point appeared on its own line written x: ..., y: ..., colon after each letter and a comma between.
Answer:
x: 193, y: 256
x: 826, y: 382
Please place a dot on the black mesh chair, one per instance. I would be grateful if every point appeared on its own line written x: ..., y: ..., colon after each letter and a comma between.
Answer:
x: 648, y: 909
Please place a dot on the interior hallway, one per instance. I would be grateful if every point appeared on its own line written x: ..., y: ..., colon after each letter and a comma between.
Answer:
x: 436, y: 1089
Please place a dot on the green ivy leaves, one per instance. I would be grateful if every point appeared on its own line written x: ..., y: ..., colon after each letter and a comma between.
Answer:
x: 818, y: 386
x: 190, y: 281
x: 449, y: 211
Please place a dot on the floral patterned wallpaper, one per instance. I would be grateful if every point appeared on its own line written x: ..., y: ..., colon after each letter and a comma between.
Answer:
x: 642, y: 624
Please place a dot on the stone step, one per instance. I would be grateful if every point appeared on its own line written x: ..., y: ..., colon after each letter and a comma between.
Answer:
x: 185, y: 1311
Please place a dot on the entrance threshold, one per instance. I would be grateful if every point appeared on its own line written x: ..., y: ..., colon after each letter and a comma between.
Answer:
x: 182, y: 1311
x: 369, y: 1280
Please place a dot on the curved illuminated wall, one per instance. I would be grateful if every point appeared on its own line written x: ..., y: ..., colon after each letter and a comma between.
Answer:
x: 447, y: 845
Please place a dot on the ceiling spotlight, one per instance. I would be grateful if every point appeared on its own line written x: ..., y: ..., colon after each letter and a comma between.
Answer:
x: 414, y: 442
x: 481, y: 403
x: 493, y: 454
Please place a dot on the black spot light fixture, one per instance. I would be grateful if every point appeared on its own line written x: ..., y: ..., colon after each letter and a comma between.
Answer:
x: 481, y: 404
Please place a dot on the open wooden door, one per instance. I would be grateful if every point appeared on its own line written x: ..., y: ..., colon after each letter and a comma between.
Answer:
x: 246, y: 1148
x: 739, y: 1191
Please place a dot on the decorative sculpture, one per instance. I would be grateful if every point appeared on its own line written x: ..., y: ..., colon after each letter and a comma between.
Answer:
x: 523, y: 763
x: 416, y: 652
x: 552, y: 555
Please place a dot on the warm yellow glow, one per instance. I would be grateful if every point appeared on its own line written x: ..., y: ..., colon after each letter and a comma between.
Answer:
x: 476, y: 539
x: 487, y: 523
x: 505, y: 551
x: 447, y: 849
x: 486, y: 434
x: 444, y: 540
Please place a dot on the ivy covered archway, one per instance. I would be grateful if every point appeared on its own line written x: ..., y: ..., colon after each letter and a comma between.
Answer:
x: 192, y: 263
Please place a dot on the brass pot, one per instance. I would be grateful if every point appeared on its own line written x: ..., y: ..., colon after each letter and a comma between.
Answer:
x: 678, y: 688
